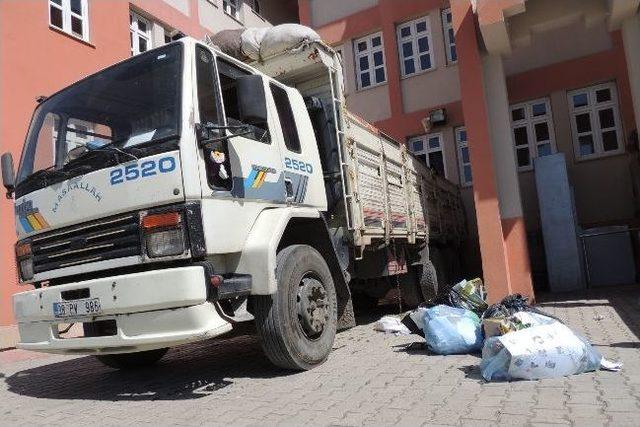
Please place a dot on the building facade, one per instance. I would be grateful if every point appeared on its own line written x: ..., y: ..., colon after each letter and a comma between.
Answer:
x: 518, y: 79
x: 70, y: 39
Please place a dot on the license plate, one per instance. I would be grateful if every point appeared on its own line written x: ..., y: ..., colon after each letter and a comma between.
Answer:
x: 77, y: 308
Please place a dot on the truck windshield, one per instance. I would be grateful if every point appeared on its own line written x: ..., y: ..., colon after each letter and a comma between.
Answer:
x: 131, y: 107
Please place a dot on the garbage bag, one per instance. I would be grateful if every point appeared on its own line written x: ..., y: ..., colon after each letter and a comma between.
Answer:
x: 547, y: 350
x: 470, y: 295
x: 414, y: 321
x: 512, y: 304
x: 451, y: 330
x: 494, y: 326
x: 391, y: 324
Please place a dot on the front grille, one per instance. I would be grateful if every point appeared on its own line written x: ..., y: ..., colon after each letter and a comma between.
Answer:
x: 100, y: 240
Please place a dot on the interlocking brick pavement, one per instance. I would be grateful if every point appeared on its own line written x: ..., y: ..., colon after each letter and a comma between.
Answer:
x: 369, y: 379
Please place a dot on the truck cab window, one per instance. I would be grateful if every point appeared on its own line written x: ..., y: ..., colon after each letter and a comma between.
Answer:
x: 287, y: 121
x: 206, y: 86
x: 228, y: 74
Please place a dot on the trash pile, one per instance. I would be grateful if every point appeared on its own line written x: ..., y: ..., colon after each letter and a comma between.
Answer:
x: 518, y: 341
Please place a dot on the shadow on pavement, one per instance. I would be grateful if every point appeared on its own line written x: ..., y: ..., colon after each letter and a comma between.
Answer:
x: 472, y: 372
x: 625, y: 300
x: 191, y: 371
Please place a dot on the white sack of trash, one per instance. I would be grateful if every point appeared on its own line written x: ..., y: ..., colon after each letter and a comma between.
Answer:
x: 391, y: 324
x: 548, y: 349
x: 257, y: 44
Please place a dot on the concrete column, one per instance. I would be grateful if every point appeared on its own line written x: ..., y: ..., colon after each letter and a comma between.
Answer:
x: 508, y: 185
x: 631, y: 41
x: 496, y: 191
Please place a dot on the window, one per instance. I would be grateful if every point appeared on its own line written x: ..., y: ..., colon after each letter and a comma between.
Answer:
x: 429, y: 148
x: 595, y: 121
x: 231, y: 8
x: 449, y: 38
x: 532, y: 131
x: 216, y: 152
x: 206, y: 86
x: 228, y: 74
x: 70, y: 16
x: 369, y: 56
x: 255, y: 6
x: 140, y: 33
x: 464, y: 161
x: 287, y: 121
x: 414, y: 46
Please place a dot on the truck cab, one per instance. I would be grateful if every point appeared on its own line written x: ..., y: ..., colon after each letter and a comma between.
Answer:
x: 153, y: 197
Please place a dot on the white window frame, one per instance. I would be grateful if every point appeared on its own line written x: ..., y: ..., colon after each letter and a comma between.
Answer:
x: 449, y: 39
x: 529, y: 122
x: 593, y: 108
x: 369, y: 52
x: 460, y: 145
x: 136, y: 34
x: 426, y: 150
x: 67, y: 14
x: 229, y: 5
x: 413, y: 39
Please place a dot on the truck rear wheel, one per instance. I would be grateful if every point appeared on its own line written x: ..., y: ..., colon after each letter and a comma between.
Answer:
x: 428, y: 280
x: 297, y: 324
x: 135, y: 360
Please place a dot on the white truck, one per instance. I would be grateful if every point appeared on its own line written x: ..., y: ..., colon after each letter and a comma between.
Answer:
x: 171, y: 196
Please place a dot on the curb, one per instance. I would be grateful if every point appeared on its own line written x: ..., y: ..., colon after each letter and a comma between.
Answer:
x: 8, y: 337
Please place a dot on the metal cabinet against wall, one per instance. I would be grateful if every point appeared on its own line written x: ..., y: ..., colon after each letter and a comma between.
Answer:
x: 608, y: 256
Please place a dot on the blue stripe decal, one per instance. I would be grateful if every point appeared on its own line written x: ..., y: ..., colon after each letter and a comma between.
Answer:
x: 248, y: 182
x: 25, y: 224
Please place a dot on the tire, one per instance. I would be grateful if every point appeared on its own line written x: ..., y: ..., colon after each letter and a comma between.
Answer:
x: 290, y: 338
x: 427, y: 281
x: 136, y: 360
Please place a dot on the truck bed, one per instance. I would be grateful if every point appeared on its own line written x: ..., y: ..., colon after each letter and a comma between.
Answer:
x: 386, y: 193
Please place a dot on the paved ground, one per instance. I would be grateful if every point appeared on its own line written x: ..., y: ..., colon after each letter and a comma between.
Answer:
x: 369, y: 379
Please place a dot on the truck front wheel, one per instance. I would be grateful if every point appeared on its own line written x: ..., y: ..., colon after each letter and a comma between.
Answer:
x: 297, y: 324
x: 139, y: 359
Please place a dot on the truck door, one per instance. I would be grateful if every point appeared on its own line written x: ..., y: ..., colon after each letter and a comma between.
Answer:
x: 298, y: 171
x: 249, y: 167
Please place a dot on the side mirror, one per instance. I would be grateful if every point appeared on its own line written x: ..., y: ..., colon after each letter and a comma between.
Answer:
x: 252, y: 102
x: 8, y: 174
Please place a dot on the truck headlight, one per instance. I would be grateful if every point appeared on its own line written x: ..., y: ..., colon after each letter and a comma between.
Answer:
x: 24, y: 257
x: 164, y: 234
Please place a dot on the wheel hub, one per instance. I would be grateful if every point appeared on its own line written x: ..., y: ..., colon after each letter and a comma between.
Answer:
x: 313, y: 307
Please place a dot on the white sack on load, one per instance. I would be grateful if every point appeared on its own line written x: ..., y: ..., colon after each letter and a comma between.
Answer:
x: 283, y: 37
x: 251, y: 40
x: 230, y: 42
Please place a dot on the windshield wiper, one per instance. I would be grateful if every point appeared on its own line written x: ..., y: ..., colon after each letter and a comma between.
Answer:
x: 43, y: 174
x: 108, y: 148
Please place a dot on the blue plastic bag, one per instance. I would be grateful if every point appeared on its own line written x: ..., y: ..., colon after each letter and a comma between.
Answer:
x: 450, y: 330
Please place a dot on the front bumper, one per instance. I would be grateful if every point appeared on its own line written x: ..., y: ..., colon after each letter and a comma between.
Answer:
x: 152, y: 309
